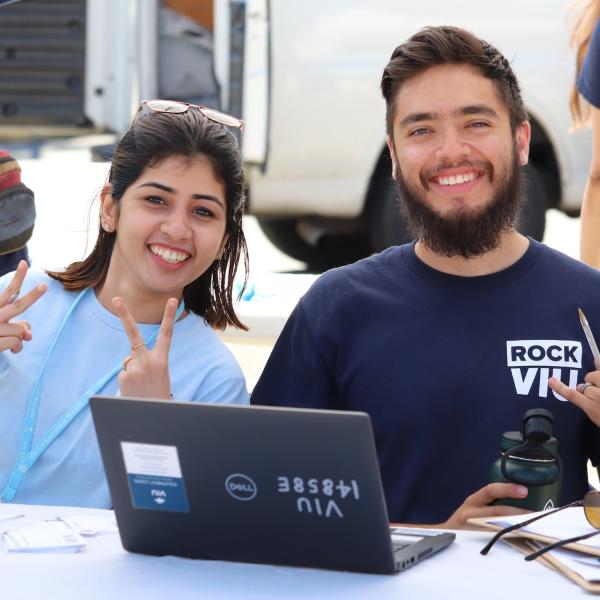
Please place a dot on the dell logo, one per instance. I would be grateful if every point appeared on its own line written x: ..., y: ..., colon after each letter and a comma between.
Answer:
x: 240, y: 487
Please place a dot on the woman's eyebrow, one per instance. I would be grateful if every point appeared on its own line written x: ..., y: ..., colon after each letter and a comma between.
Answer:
x: 160, y: 186
x: 170, y: 190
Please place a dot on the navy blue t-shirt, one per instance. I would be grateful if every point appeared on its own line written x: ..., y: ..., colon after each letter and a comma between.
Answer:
x: 9, y: 261
x: 588, y: 81
x: 443, y: 365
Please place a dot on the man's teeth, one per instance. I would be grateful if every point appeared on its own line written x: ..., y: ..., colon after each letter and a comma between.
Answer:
x: 456, y: 179
x: 168, y: 255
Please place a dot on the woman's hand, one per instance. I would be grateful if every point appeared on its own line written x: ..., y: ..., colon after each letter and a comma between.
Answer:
x: 13, y: 334
x: 145, y: 372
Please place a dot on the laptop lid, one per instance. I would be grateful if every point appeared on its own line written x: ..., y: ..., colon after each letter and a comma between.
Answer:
x: 247, y: 483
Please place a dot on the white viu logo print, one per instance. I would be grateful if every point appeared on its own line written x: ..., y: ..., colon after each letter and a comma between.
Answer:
x: 533, y: 362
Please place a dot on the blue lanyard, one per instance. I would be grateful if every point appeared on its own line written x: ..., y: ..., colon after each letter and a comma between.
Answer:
x: 27, y: 455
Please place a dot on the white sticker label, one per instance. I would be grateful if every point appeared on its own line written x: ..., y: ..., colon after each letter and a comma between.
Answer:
x: 154, y: 477
x: 543, y: 353
x: 151, y: 459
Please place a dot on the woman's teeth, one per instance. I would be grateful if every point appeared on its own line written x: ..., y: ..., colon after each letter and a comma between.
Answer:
x: 168, y: 255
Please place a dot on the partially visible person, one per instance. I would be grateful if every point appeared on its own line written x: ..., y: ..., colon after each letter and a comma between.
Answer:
x: 134, y: 318
x: 447, y: 341
x: 585, y: 38
x: 17, y: 214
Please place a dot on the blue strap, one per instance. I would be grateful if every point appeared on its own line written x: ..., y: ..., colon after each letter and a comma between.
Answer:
x: 27, y: 456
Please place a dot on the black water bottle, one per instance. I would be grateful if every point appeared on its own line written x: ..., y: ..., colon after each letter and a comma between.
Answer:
x: 529, y: 457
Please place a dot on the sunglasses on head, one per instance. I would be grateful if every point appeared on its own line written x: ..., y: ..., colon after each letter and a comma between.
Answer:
x: 591, y: 509
x: 175, y: 107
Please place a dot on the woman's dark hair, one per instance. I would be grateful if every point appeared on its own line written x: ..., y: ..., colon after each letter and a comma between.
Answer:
x: 152, y: 139
x: 433, y: 46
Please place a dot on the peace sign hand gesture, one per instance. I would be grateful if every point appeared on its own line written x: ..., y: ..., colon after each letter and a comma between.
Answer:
x: 13, y: 334
x: 145, y: 372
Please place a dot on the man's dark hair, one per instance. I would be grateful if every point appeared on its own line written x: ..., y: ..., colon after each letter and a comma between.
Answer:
x: 433, y: 46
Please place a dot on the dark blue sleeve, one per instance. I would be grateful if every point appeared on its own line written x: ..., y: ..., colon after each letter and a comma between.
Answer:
x: 592, y: 442
x: 296, y: 373
x: 588, y: 82
x: 9, y: 262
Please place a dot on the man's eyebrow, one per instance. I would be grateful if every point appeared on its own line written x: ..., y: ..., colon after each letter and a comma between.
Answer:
x: 170, y: 190
x: 416, y: 117
x: 472, y: 109
x: 476, y: 109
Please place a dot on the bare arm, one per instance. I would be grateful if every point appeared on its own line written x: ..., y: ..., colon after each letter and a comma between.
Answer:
x: 590, y: 207
x: 478, y: 505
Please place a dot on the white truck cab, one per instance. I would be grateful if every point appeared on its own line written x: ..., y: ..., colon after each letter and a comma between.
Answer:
x: 305, y: 77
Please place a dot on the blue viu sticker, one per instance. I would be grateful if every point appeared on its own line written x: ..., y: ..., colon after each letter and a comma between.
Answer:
x: 154, y: 477
x: 158, y: 493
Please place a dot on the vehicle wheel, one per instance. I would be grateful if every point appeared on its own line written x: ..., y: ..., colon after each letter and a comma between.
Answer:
x: 330, y: 251
x: 532, y: 220
x: 387, y: 223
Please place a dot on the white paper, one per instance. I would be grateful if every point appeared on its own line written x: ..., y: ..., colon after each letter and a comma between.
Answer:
x: 587, y: 559
x: 561, y: 525
x: 5, y: 516
x: 90, y: 525
x: 151, y: 459
x: 582, y: 564
x: 48, y: 536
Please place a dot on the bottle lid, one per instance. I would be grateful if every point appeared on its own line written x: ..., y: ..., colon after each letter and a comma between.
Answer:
x: 537, y: 425
x: 512, y: 439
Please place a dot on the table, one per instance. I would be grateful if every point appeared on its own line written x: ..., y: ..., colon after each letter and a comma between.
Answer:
x: 104, y: 570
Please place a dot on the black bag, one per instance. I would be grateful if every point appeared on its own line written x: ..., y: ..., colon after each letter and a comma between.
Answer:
x: 17, y: 217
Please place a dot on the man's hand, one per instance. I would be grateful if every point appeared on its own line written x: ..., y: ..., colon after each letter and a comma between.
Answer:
x: 13, y: 334
x: 145, y: 372
x: 477, y: 505
x: 587, y: 397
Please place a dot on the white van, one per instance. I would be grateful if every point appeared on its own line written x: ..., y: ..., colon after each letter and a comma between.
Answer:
x: 317, y: 164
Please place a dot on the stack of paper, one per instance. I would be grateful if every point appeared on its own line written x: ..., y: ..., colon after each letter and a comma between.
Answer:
x: 579, y: 562
x: 49, y: 536
x: 7, y: 515
x: 88, y: 525
x: 65, y: 534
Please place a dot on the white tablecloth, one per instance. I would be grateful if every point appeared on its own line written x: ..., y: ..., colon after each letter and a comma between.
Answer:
x: 105, y: 571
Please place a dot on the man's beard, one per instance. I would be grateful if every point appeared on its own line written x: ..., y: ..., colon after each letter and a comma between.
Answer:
x: 465, y: 231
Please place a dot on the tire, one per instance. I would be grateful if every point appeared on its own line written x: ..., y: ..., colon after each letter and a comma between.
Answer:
x: 387, y: 223
x: 532, y: 220
x: 330, y: 250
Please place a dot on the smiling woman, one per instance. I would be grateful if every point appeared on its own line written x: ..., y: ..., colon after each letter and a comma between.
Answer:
x: 170, y: 227
x: 136, y: 317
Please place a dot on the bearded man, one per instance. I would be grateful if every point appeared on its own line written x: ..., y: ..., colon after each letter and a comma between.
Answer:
x: 446, y: 342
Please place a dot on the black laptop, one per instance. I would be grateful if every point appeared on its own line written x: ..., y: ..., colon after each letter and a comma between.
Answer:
x: 253, y: 484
